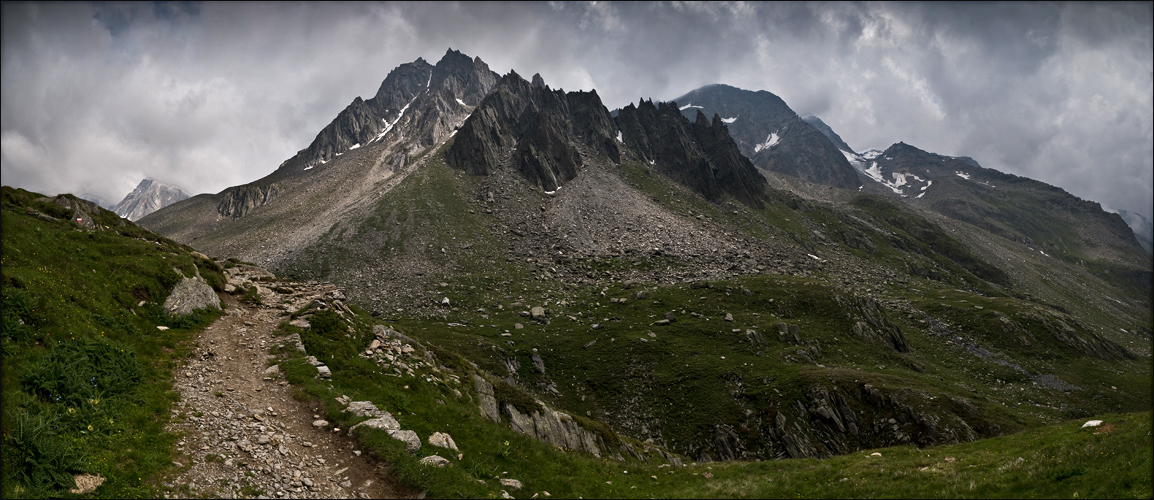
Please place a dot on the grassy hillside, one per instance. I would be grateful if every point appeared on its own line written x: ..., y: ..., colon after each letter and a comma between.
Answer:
x: 86, y: 370
x: 1058, y: 459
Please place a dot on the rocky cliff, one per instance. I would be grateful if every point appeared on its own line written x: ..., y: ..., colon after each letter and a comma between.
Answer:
x: 538, y: 131
x: 699, y: 154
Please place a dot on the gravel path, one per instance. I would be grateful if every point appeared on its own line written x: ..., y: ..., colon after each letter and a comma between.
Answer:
x: 242, y: 433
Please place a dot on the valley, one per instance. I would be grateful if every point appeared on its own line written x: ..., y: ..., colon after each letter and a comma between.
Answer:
x: 702, y: 298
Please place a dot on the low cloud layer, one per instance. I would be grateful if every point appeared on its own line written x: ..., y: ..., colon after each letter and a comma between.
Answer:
x: 96, y: 97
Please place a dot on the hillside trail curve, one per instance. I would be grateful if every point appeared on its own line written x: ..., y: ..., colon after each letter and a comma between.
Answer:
x: 242, y: 433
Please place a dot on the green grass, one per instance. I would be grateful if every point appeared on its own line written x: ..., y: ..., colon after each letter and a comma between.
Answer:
x: 85, y: 368
x: 1057, y: 460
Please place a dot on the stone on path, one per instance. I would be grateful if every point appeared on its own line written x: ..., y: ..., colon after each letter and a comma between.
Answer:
x: 191, y: 294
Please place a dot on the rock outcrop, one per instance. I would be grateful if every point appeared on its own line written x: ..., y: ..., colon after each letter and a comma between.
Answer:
x: 540, y: 132
x: 237, y: 201
x: 189, y: 295
x: 699, y: 154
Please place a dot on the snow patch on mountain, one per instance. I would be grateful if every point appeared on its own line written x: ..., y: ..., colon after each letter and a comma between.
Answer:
x: 619, y: 137
x: 729, y: 120
x: 963, y: 175
x: 770, y: 142
x: 389, y: 126
x: 687, y: 106
x: 461, y: 102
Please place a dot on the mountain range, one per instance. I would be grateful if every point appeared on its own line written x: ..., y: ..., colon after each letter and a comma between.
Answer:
x: 713, y: 274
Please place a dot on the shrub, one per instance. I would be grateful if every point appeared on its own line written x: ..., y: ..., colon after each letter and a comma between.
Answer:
x: 73, y: 372
x: 35, y: 456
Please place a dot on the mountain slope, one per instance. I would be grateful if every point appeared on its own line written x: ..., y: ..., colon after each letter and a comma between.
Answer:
x: 149, y: 196
x: 336, y: 174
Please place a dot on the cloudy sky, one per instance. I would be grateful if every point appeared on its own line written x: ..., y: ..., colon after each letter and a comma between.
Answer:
x: 205, y: 96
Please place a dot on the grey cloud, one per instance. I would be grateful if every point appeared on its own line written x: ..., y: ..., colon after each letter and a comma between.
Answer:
x: 211, y: 95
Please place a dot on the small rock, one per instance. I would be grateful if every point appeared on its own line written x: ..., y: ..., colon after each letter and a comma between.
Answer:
x: 272, y: 371
x: 537, y: 313
x: 511, y: 483
x: 728, y: 317
x: 445, y: 301
x: 384, y: 422
x: 412, y: 442
x: 518, y: 326
x: 661, y: 322
x: 434, y: 460
x: 324, y: 372
x: 86, y: 483
x: 319, y: 424
x: 443, y: 440
x: 364, y: 409
x: 1092, y: 423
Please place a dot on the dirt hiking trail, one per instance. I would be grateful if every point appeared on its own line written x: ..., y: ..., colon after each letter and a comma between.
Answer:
x: 242, y: 434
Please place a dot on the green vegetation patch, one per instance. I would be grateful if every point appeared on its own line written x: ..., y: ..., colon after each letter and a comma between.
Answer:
x: 86, y: 373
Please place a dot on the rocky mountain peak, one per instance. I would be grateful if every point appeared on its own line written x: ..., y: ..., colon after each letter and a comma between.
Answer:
x: 699, y: 154
x: 538, y: 81
x: 468, y: 79
x: 772, y: 135
x: 401, y: 85
x: 536, y: 130
x: 149, y: 196
x: 828, y: 132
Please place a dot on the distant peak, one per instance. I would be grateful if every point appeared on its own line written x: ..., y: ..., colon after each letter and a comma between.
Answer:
x: 538, y: 81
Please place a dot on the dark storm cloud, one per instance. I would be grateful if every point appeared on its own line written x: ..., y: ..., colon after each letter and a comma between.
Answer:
x: 97, y: 96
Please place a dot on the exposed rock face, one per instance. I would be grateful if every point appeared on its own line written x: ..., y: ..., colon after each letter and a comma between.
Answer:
x: 544, y: 424
x: 537, y: 130
x: 149, y: 196
x: 456, y: 82
x: 189, y: 295
x: 555, y: 427
x: 237, y: 201
x: 700, y: 154
x: 828, y: 132
x: 872, y: 324
x: 772, y: 135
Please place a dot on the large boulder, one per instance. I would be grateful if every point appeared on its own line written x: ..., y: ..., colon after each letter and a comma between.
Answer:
x: 189, y: 295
